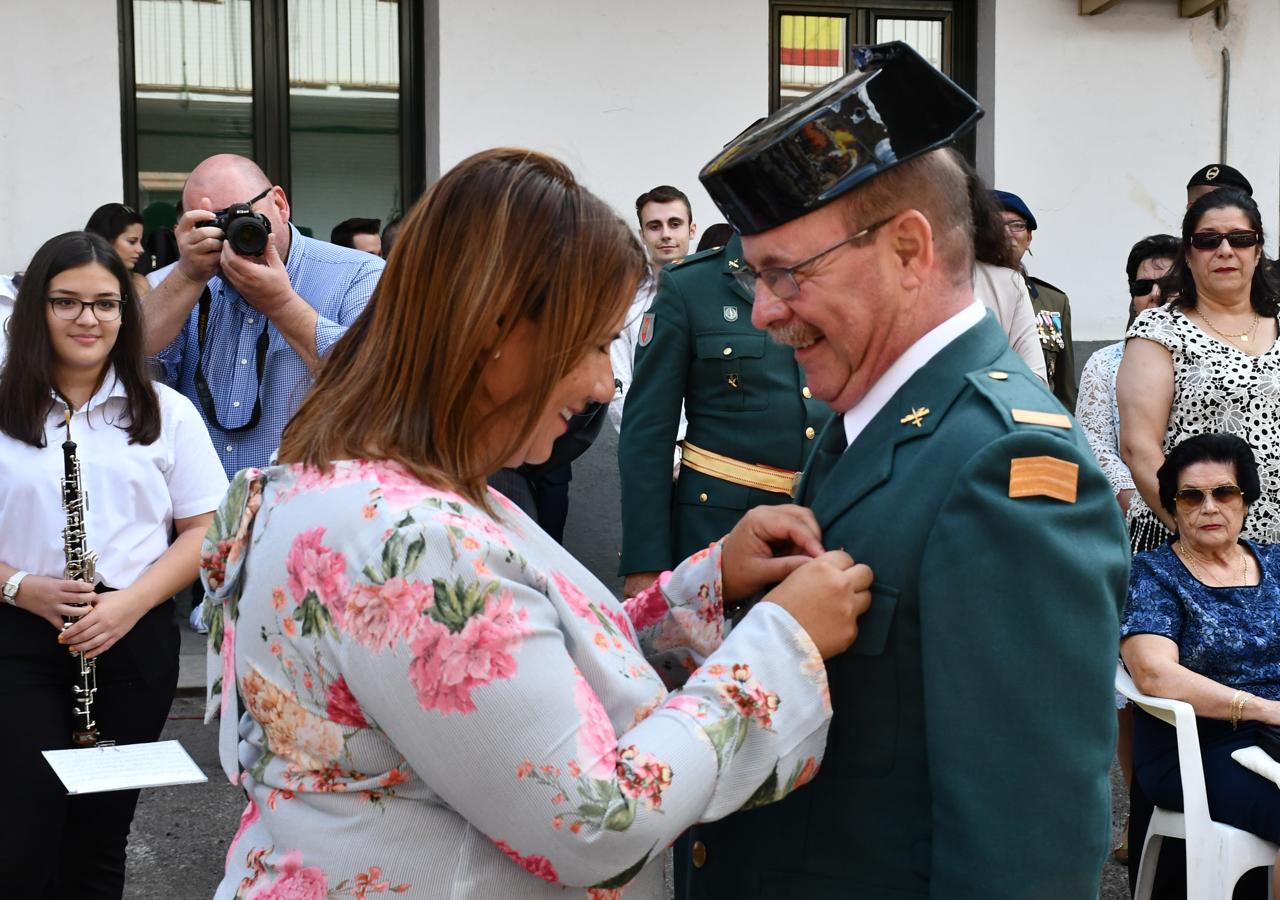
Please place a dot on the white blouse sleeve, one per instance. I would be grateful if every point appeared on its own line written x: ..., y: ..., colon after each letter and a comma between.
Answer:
x: 1095, y: 410
x: 195, y: 476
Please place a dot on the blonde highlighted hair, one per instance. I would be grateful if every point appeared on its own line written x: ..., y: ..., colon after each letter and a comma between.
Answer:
x: 507, y: 235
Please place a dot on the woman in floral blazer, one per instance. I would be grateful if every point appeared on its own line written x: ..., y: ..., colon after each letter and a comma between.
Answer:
x: 438, y: 699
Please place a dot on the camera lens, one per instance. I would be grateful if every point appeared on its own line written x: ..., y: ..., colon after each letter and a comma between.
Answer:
x: 248, y: 235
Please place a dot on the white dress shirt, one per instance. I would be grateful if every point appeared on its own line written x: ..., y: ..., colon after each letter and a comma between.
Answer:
x: 906, y: 365
x: 135, y: 491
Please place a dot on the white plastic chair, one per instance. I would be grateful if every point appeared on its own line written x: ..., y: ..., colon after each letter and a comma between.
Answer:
x: 1217, y: 854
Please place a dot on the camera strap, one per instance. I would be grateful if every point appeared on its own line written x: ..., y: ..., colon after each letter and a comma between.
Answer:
x: 202, y: 386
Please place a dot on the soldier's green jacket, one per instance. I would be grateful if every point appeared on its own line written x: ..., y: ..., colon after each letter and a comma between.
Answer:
x: 743, y: 397
x: 1061, y: 362
x: 973, y: 723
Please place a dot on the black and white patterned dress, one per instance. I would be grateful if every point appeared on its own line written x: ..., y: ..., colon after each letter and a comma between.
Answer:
x: 1220, y: 388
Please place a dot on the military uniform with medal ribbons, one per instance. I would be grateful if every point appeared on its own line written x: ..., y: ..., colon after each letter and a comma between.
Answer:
x: 751, y: 420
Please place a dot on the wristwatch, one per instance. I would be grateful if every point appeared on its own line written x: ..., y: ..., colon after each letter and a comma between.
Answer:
x: 11, y: 587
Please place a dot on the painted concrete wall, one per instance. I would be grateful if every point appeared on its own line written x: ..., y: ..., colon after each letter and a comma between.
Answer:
x: 59, y: 120
x: 630, y: 96
x: 1100, y: 120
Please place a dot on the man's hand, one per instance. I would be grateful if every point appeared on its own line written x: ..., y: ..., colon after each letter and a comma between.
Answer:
x: 767, y: 545
x: 199, y: 244
x: 637, y: 582
x: 262, y: 281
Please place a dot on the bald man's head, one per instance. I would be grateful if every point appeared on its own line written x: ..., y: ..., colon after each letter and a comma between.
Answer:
x: 225, y: 179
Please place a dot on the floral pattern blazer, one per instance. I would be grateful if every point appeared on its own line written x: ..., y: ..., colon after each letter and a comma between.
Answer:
x: 441, y: 702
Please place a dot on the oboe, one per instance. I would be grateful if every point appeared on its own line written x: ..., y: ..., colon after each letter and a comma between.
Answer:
x: 81, y: 566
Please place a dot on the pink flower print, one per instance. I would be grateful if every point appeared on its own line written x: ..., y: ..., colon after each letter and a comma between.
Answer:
x: 228, y: 665
x: 341, y: 705
x: 447, y: 666
x: 533, y: 864
x: 214, y: 564
x: 380, y: 615
x: 247, y: 818
x: 642, y: 776
x: 573, y: 596
x: 597, y: 741
x: 604, y: 893
x: 690, y: 706
x: 524, y: 770
x: 294, y: 881
x: 278, y: 599
x: 647, y: 607
x: 253, y: 502
x: 504, y: 502
x: 314, y: 568
x: 399, y: 487
x: 751, y: 700
x: 619, y: 621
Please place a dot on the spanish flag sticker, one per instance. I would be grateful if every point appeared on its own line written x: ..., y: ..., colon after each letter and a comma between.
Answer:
x: 1043, y: 476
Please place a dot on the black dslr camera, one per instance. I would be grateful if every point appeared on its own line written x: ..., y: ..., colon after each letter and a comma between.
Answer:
x: 245, y: 230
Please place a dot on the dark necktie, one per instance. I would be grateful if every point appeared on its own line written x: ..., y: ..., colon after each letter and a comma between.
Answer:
x: 824, y: 460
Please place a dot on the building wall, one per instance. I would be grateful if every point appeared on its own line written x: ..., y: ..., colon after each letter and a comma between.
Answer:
x: 1100, y: 120
x: 59, y: 121
x: 628, y: 95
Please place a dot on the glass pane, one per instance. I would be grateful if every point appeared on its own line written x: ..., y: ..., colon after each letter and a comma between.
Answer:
x: 924, y: 36
x: 811, y: 53
x: 194, y: 83
x: 344, y: 113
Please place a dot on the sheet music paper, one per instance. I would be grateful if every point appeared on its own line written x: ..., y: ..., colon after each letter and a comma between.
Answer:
x: 95, y: 769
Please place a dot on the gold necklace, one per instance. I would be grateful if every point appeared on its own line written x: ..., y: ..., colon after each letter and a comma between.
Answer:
x: 1195, y: 569
x: 1243, y: 336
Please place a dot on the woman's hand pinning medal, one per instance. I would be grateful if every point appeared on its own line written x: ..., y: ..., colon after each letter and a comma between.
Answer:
x: 825, y: 591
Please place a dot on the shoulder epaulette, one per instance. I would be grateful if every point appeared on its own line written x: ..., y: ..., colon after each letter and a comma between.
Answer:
x: 709, y: 253
x: 1020, y: 399
x: 1042, y: 283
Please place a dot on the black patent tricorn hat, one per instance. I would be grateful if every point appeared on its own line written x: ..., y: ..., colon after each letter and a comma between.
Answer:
x: 892, y: 107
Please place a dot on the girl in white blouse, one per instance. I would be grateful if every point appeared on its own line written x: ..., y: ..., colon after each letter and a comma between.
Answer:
x: 75, y: 369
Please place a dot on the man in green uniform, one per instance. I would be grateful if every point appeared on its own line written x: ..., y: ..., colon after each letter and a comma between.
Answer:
x: 973, y: 727
x: 1052, y: 308
x: 752, y: 421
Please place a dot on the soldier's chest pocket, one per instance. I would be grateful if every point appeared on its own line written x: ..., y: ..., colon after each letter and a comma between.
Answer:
x: 729, y: 371
x: 865, y: 692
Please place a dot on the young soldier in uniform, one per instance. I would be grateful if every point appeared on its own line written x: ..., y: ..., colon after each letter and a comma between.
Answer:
x: 972, y: 733
x: 751, y: 419
x: 1053, y: 309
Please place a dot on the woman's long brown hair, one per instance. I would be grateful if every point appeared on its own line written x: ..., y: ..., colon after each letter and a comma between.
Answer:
x: 506, y: 235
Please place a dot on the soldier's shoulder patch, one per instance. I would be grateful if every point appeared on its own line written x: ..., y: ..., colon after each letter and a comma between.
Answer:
x: 1043, y: 476
x: 646, y: 330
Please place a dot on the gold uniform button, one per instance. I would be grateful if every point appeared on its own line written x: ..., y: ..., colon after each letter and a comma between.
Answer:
x: 702, y: 498
x: 806, y: 393
x: 809, y: 432
x: 699, y: 854
x: 998, y: 376
x: 728, y: 351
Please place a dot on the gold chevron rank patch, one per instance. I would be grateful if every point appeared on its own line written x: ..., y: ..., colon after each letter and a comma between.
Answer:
x: 1043, y: 476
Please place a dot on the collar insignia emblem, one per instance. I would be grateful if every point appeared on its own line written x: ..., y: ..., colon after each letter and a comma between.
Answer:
x: 731, y: 313
x: 915, y: 416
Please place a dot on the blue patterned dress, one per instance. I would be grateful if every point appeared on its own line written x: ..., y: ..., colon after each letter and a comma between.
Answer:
x: 1228, y: 634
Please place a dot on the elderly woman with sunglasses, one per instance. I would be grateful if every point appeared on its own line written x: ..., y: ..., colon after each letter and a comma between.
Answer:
x: 1201, y: 625
x: 1205, y: 362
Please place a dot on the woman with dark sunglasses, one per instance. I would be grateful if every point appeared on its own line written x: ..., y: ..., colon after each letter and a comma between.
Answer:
x: 147, y: 470
x: 1207, y: 361
x: 1201, y: 625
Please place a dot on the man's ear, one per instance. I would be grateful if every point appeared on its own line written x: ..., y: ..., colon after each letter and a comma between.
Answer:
x: 911, y: 242
x: 281, y: 201
x: 693, y: 230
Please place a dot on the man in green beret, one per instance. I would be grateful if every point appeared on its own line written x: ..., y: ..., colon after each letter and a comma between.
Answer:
x: 973, y: 725
x: 751, y: 419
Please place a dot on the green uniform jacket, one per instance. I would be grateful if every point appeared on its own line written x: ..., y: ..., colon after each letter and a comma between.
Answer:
x: 1053, y: 325
x: 743, y: 396
x: 973, y: 722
